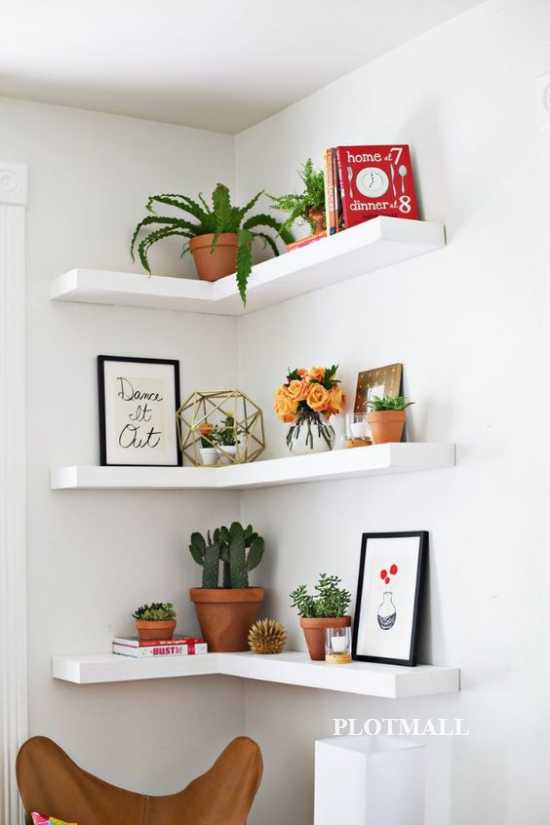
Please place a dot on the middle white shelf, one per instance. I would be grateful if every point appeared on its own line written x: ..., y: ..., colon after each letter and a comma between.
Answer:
x: 380, y: 459
x: 292, y: 668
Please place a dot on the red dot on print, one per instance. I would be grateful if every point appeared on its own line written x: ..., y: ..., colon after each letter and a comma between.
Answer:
x: 383, y: 574
x: 387, y: 580
x: 393, y: 569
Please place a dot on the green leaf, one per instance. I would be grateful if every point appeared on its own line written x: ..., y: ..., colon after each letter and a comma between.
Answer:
x: 180, y: 202
x: 154, y: 220
x: 250, y: 205
x: 268, y: 240
x: 244, y: 261
x: 149, y: 240
x: 255, y: 553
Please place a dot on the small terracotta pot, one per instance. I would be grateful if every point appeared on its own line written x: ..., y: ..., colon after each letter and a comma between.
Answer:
x: 317, y: 217
x: 226, y: 615
x: 314, y: 633
x: 386, y: 426
x: 155, y: 631
x: 211, y: 266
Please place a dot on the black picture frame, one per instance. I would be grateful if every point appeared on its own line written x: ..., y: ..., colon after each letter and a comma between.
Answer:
x: 101, y: 361
x: 419, y: 587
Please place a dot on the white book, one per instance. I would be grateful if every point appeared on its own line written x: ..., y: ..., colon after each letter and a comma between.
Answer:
x: 162, y: 650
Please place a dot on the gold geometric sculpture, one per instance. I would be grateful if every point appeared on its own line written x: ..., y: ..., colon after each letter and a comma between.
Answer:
x: 226, y: 421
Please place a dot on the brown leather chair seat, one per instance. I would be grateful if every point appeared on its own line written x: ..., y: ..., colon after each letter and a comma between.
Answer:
x: 51, y: 783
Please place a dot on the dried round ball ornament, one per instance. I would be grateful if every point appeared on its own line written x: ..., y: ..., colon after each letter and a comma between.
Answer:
x: 267, y: 636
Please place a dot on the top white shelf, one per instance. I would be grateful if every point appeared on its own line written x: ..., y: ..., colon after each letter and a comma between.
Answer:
x: 364, y: 248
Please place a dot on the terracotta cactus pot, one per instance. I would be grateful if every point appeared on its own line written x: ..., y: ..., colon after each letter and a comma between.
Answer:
x: 387, y: 426
x: 211, y: 266
x: 314, y: 633
x: 226, y: 615
x: 155, y: 631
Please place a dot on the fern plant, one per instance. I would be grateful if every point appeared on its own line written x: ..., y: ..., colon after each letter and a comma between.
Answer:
x: 202, y: 218
x: 309, y: 202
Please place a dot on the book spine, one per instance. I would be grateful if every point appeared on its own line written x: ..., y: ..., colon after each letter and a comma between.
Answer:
x: 337, y: 192
x: 328, y: 177
x: 332, y: 193
x: 146, y: 652
x: 344, y: 200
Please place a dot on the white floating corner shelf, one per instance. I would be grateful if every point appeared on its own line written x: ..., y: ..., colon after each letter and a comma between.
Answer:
x: 372, y: 245
x: 364, y: 678
x: 362, y: 462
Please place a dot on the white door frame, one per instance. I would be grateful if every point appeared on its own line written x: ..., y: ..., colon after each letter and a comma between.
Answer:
x: 13, y: 602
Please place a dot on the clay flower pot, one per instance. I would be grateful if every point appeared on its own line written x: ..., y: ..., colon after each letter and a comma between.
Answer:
x: 211, y: 266
x: 226, y: 615
x: 155, y: 631
x: 386, y: 426
x: 317, y: 217
x: 314, y: 633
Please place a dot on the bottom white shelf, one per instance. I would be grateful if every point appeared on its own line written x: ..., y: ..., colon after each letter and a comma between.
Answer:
x: 365, y: 678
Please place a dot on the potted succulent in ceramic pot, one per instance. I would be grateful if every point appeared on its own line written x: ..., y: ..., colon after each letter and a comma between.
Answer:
x: 318, y: 612
x: 155, y: 621
x: 219, y: 236
x: 227, y: 613
x: 386, y: 418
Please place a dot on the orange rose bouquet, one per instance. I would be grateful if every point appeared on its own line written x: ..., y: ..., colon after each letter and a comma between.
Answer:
x: 308, y: 399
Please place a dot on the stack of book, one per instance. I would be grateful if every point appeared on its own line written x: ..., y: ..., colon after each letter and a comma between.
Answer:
x: 364, y: 182
x: 178, y: 646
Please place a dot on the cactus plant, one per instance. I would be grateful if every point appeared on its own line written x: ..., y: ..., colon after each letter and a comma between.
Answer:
x: 239, y: 549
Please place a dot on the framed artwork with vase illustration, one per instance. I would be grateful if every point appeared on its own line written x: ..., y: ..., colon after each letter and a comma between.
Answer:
x: 138, y: 399
x: 389, y: 597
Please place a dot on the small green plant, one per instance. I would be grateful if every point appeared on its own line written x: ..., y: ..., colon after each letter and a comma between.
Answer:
x: 221, y: 217
x: 155, y: 612
x: 329, y: 600
x: 239, y: 550
x: 395, y: 403
x: 311, y: 200
x: 225, y: 433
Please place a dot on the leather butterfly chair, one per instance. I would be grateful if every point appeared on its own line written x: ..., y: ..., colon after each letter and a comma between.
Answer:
x: 52, y: 784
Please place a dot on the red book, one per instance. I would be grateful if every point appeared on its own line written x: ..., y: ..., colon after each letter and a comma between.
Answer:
x: 135, y: 641
x: 374, y: 181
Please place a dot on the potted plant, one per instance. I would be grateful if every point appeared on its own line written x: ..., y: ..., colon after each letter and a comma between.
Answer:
x: 326, y: 608
x: 155, y: 621
x: 227, y: 613
x: 227, y: 438
x: 387, y: 417
x: 309, y: 205
x: 219, y: 236
x: 208, y: 452
x: 307, y: 401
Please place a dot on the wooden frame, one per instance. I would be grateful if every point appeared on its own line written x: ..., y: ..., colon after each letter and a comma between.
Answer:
x: 390, y: 378
x: 417, y: 581
x: 101, y: 361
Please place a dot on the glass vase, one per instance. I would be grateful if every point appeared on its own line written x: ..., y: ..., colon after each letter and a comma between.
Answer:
x: 387, y: 613
x: 310, y: 433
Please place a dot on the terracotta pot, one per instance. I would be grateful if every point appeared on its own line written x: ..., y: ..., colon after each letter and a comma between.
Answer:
x: 226, y: 615
x: 386, y: 426
x: 155, y: 631
x: 314, y: 633
x: 317, y: 217
x: 211, y: 266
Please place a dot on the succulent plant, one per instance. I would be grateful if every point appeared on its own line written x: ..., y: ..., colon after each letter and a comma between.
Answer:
x: 384, y: 403
x: 267, y: 636
x: 239, y: 549
x: 329, y: 600
x: 155, y: 612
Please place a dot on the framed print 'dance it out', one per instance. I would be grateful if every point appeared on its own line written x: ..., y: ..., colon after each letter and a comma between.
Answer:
x: 389, y: 595
x: 138, y: 399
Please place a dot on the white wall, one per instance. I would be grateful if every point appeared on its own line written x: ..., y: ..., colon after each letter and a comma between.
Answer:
x: 94, y: 556
x: 470, y: 325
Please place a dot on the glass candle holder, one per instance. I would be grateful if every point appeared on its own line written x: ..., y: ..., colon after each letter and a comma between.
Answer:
x: 338, y: 645
x: 357, y: 430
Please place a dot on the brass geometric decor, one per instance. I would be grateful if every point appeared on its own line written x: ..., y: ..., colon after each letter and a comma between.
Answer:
x: 226, y: 421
